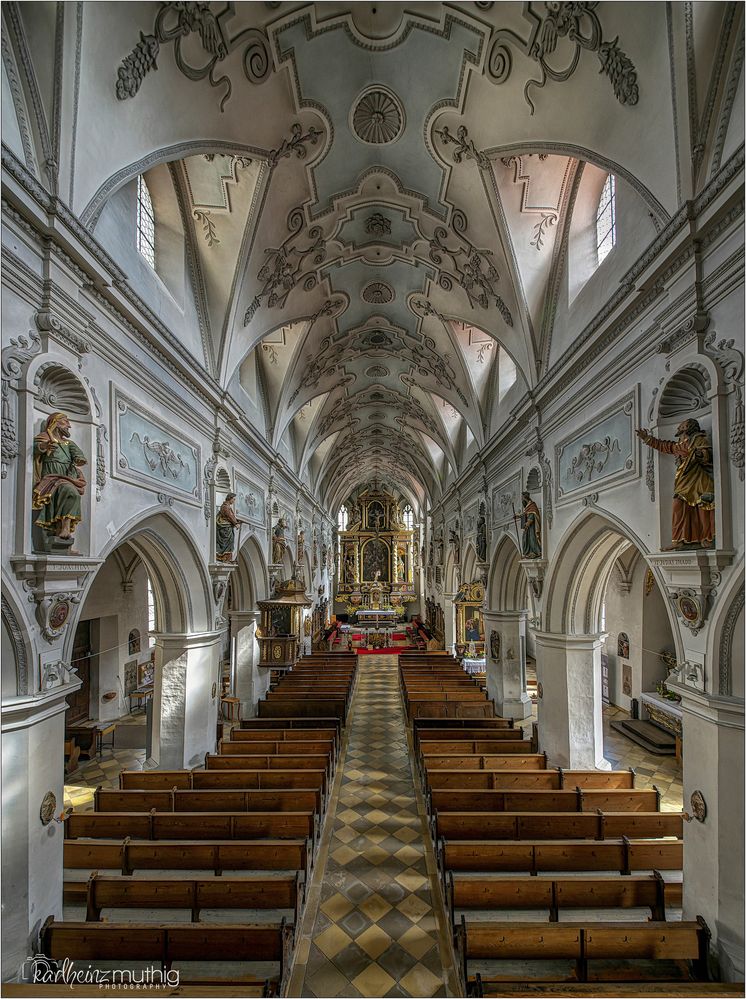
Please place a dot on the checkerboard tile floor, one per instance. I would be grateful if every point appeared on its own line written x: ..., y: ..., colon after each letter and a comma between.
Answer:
x: 103, y: 770
x: 376, y: 930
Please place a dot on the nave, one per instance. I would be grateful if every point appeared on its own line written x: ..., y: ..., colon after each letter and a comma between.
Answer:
x: 432, y: 809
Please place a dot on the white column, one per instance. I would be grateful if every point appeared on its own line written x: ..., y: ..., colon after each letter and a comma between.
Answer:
x: 568, y: 672
x: 713, y: 729
x: 186, y: 698
x: 252, y: 682
x: 506, y: 676
x: 33, y: 733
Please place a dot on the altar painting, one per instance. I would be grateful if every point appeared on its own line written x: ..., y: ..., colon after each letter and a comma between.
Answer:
x: 376, y: 561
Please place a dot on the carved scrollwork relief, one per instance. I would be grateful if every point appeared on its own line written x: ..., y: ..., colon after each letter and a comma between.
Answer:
x: 580, y: 25
x: 175, y: 22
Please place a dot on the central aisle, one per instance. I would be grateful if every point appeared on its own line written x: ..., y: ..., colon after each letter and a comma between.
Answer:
x: 373, y: 926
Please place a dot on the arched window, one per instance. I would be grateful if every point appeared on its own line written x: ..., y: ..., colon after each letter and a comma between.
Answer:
x: 342, y: 517
x: 606, y: 220
x: 408, y: 517
x: 145, y: 222
x: 151, y: 614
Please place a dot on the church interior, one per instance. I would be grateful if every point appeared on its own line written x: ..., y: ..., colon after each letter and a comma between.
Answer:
x: 373, y: 476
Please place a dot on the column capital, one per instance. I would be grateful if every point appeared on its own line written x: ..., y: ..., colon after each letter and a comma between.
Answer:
x: 558, y: 640
x: 187, y: 640
x: 508, y: 616
x: 244, y: 618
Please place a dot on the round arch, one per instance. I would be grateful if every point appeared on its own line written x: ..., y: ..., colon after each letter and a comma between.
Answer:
x: 181, y: 582
x: 17, y: 659
x: 580, y: 570
x: 507, y: 587
x: 250, y: 580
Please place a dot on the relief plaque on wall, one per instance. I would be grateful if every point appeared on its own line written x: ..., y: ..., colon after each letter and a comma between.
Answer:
x: 151, y: 453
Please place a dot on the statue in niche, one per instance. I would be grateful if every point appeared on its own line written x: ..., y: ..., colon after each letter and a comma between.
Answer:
x: 279, y: 541
x: 349, y: 566
x: 301, y: 545
x: 456, y: 545
x: 440, y: 551
x: 430, y: 553
x: 481, y: 536
x: 530, y: 520
x: 693, y: 513
x: 226, y: 523
x: 58, y: 483
x: 401, y: 565
x: 495, y: 645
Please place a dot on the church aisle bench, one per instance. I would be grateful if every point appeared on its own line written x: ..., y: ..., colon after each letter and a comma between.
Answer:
x: 170, y: 855
x: 218, y: 779
x: 241, y: 747
x: 604, y: 990
x: 169, y: 943
x: 192, y: 825
x: 623, y: 855
x: 311, y: 709
x: 268, y: 762
x: 634, y: 951
x: 275, y: 800
x: 262, y: 891
x: 641, y: 891
x: 555, y: 825
x: 466, y: 772
x: 459, y: 728
x: 452, y: 800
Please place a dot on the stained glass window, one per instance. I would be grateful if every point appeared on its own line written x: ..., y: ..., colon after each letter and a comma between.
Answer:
x: 606, y: 219
x: 145, y: 222
x: 408, y: 517
x: 342, y: 518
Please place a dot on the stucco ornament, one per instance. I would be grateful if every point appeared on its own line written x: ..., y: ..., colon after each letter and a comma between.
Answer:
x: 377, y: 117
x: 580, y: 25
x: 174, y: 22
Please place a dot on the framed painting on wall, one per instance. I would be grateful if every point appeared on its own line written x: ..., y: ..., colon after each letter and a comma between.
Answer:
x: 130, y: 677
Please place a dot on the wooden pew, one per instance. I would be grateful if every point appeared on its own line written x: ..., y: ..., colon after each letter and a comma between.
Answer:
x: 467, y: 773
x: 623, y: 855
x: 453, y: 800
x: 172, y: 855
x: 168, y: 943
x: 192, y: 825
x: 219, y: 779
x: 555, y: 825
x: 260, y: 891
x: 276, y: 800
x: 680, y: 947
x: 635, y: 891
x: 615, y: 990
x: 231, y: 761
x: 289, y: 747
x: 464, y: 709
x: 310, y: 708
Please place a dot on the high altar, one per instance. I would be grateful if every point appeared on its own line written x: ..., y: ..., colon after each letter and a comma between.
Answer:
x: 376, y: 568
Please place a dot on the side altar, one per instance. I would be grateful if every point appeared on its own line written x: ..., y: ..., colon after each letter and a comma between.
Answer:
x: 376, y: 563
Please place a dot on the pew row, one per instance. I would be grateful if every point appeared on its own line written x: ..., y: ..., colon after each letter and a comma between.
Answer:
x: 170, y: 944
x: 155, y: 825
x: 236, y: 800
x: 452, y: 800
x: 261, y: 891
x: 642, y: 891
x: 172, y: 855
x: 624, y: 855
x: 555, y: 825
x: 635, y: 951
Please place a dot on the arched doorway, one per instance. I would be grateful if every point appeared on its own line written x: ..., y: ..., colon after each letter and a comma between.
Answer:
x: 248, y: 583
x: 153, y: 580
x: 595, y: 587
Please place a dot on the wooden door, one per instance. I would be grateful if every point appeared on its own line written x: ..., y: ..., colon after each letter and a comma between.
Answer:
x: 81, y: 661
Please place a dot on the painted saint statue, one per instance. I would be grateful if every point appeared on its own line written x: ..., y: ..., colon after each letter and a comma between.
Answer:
x: 225, y: 529
x: 279, y: 542
x: 693, y: 514
x: 530, y: 520
x: 58, y: 483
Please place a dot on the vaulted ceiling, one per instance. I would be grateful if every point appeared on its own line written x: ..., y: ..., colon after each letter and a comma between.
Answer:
x: 376, y: 199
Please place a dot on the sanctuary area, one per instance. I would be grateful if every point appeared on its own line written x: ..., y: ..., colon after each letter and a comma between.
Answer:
x: 372, y: 488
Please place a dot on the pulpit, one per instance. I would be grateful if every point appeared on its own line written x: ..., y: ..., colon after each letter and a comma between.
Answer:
x: 281, y: 627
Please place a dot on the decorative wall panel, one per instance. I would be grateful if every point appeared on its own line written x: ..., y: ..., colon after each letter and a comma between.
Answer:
x: 250, y: 504
x: 150, y: 453
x: 506, y: 498
x: 602, y: 454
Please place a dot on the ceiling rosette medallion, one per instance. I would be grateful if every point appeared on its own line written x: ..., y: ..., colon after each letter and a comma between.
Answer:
x: 377, y: 117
